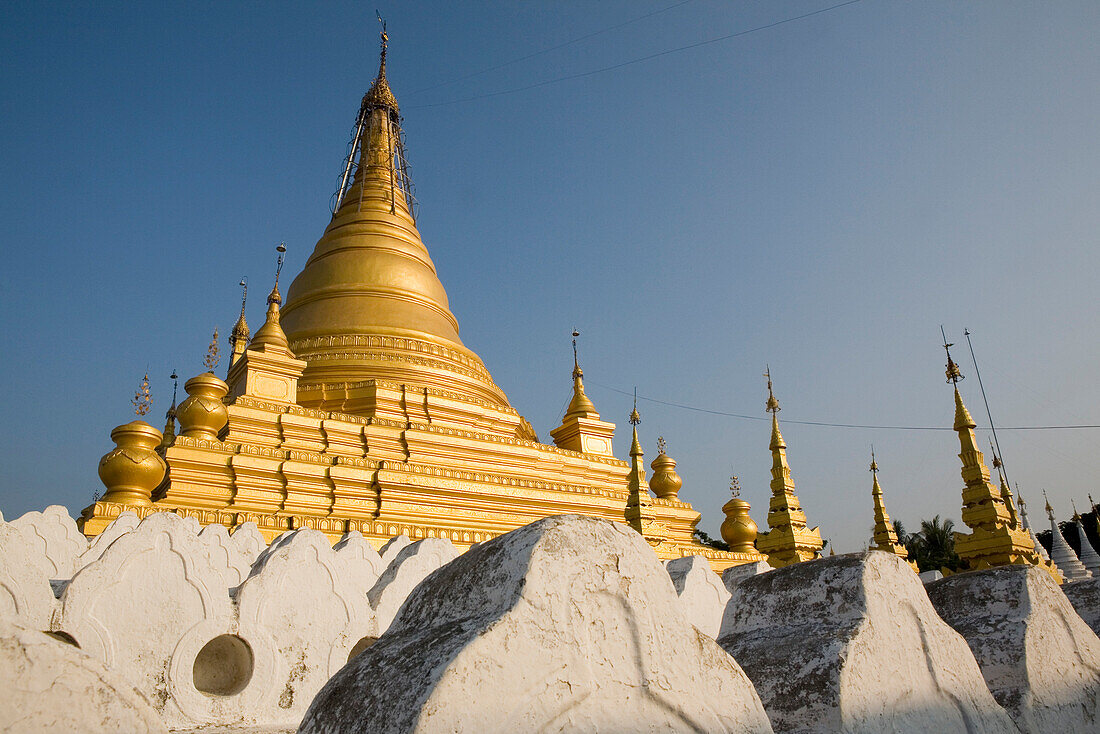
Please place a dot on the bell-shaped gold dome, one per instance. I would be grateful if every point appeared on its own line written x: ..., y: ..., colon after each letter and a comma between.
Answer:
x: 368, y: 303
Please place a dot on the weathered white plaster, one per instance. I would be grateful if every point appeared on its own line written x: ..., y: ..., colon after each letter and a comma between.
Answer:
x: 249, y: 540
x: 702, y: 596
x: 411, y: 565
x: 1063, y: 556
x: 927, y: 577
x: 146, y: 607
x: 115, y: 529
x: 851, y: 643
x: 569, y: 624
x: 1039, y: 658
x: 55, y: 535
x: 50, y: 686
x: 1085, y: 598
x: 233, y: 563
x: 735, y: 574
x: 1088, y: 554
x: 26, y: 596
x: 360, y: 564
x: 392, y: 547
x: 300, y: 609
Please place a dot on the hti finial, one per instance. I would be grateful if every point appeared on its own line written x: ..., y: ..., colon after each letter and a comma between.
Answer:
x: 735, y: 486
x: 772, y: 404
x: 953, y: 373
x: 1050, y: 510
x: 244, y: 292
x: 576, y: 364
x: 274, y: 296
x: 997, y: 463
x: 385, y: 41
x: 1020, y: 500
x: 175, y: 386
x: 635, y: 419
x: 1093, y: 504
x: 874, y: 466
x: 1076, y: 515
x: 212, y: 357
x: 661, y: 445
x: 143, y: 398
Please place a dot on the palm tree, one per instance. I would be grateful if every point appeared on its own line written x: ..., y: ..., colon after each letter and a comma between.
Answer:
x: 933, y: 546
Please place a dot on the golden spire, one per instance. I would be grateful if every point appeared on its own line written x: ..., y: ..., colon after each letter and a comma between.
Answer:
x: 1076, y: 514
x: 169, y: 432
x: 379, y: 94
x: 238, y: 338
x: 996, y: 538
x: 580, y: 405
x: 639, y: 510
x: 885, y: 537
x: 143, y: 399
x: 212, y: 356
x: 789, y: 540
x: 270, y: 335
x: 368, y: 305
x: 1006, y: 493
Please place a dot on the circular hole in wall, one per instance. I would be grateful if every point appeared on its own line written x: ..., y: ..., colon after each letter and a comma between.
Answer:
x: 360, y: 646
x: 223, y: 666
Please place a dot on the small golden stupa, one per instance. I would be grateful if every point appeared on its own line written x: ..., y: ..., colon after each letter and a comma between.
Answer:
x: 788, y: 539
x: 357, y: 407
x: 997, y: 537
x: 885, y: 537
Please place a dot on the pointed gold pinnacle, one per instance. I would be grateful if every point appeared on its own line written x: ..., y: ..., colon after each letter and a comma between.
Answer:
x: 212, y: 356
x: 143, y: 399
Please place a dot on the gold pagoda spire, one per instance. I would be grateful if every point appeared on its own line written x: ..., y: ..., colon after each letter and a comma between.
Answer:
x: 238, y: 338
x: 789, y: 539
x: 885, y: 537
x: 580, y: 405
x: 270, y: 335
x: 1006, y: 493
x: 169, y: 432
x: 639, y: 508
x: 368, y: 305
x: 996, y: 538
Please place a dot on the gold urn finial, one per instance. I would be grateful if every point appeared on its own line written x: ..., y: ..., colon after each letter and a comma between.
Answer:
x: 143, y: 398
x: 738, y: 529
x: 665, y: 482
x: 212, y: 356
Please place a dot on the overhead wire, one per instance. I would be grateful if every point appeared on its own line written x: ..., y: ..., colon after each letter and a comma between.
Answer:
x: 638, y: 60
x: 827, y: 424
x: 578, y: 39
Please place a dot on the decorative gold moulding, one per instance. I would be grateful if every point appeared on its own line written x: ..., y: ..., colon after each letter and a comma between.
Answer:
x: 203, y: 414
x: 133, y: 469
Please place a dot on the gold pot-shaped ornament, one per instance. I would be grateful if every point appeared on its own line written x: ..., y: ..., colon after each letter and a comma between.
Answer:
x: 738, y: 529
x: 203, y: 414
x: 665, y: 482
x: 133, y: 469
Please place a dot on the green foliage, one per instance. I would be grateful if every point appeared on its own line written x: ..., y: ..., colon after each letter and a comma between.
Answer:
x: 933, y: 546
x: 708, y: 541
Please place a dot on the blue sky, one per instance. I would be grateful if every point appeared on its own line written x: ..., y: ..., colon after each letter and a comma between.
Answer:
x: 818, y: 196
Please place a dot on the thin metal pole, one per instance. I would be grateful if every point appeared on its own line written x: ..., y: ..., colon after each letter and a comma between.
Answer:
x: 993, y: 428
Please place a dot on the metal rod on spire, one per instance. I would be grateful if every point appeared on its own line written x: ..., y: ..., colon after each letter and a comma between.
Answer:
x: 992, y: 427
x: 576, y: 364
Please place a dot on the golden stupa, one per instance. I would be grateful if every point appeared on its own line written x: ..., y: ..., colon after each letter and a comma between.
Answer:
x: 356, y: 406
